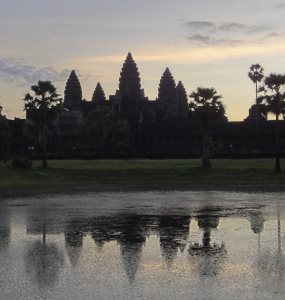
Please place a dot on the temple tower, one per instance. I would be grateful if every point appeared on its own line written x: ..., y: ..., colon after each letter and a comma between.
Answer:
x: 130, y: 82
x: 167, y: 97
x: 72, y: 92
x: 129, y: 98
x: 182, y: 100
x: 98, y: 95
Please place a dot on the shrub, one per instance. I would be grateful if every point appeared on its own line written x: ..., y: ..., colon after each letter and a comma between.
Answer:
x: 22, y: 162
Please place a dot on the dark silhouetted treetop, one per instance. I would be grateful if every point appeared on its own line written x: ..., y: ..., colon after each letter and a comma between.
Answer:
x: 130, y: 82
x: 5, y: 135
x: 44, y: 97
x: 274, y: 94
x: 255, y: 113
x: 167, y: 87
x: 42, y: 106
x: 182, y: 99
x: 274, y: 100
x: 256, y: 73
x: 207, y: 106
x: 98, y: 95
x: 72, y: 92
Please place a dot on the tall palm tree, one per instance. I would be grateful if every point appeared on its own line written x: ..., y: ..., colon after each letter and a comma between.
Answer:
x: 256, y: 75
x: 41, y: 106
x: 274, y: 99
x: 207, y: 108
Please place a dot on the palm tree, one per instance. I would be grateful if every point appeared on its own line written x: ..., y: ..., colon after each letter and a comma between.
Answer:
x: 5, y: 136
x: 274, y: 100
x: 207, y: 108
x: 41, y: 107
x: 256, y: 75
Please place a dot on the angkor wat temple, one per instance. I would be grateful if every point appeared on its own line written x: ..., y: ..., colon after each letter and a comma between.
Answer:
x: 129, y: 100
x: 147, y: 128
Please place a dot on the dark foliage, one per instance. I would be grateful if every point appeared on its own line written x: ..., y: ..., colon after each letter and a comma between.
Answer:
x: 42, y: 107
x: 22, y: 162
x: 208, y: 109
x: 274, y: 101
x: 5, y: 136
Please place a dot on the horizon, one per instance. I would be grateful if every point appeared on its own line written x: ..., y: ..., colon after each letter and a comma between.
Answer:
x: 203, y: 44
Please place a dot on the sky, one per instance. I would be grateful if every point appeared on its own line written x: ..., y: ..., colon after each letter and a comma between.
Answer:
x: 208, y: 43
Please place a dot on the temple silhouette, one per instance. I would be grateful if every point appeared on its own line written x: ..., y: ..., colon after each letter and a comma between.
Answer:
x: 128, y: 124
x: 130, y: 100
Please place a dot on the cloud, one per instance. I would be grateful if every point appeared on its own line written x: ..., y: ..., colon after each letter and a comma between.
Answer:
x: 270, y: 36
x: 221, y: 33
x: 214, y: 41
x: 17, y: 71
x: 280, y: 5
x: 212, y: 27
x: 199, y: 25
x: 200, y: 38
x: 243, y: 28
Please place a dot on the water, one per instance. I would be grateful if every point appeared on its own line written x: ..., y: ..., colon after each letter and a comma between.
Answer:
x: 146, y: 245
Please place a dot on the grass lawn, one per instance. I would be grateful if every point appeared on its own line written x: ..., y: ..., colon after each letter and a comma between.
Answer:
x: 103, y: 175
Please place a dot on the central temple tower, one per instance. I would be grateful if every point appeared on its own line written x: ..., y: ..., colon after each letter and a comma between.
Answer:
x: 129, y: 98
x: 130, y: 82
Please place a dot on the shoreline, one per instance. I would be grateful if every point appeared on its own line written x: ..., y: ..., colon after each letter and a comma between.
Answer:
x: 65, y: 190
x: 70, y: 177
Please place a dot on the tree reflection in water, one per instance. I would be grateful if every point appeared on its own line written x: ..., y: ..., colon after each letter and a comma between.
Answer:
x: 43, y: 260
x: 271, y: 264
x: 5, y: 230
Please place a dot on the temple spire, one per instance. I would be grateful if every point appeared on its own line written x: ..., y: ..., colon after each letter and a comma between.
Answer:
x: 182, y: 99
x: 166, y: 90
x: 98, y: 95
x: 167, y: 94
x: 130, y: 82
x: 72, y: 92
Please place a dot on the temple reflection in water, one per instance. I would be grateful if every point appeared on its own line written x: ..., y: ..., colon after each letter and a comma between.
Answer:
x: 45, y: 259
x: 129, y: 248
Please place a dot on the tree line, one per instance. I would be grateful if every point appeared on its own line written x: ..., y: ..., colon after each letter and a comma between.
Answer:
x: 269, y: 99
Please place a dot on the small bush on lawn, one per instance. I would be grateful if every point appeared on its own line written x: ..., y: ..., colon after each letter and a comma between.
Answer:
x: 22, y: 162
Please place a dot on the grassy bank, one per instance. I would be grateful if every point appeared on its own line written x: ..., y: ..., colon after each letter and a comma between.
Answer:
x: 102, y: 175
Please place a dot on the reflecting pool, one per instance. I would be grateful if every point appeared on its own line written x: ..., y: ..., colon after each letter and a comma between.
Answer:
x: 143, y: 245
